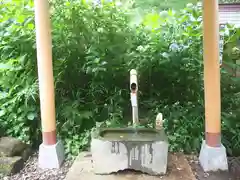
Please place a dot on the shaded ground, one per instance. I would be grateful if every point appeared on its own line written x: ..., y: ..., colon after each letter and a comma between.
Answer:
x: 32, y: 172
x: 179, y: 168
x: 233, y: 174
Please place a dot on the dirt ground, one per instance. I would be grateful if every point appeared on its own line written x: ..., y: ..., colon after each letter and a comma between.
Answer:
x: 31, y: 171
x: 178, y: 169
x: 233, y: 174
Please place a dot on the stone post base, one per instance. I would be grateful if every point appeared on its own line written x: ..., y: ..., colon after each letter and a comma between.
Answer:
x: 213, y: 158
x: 51, y: 156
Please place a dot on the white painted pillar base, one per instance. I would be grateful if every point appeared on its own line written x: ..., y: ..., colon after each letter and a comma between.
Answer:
x: 213, y: 158
x: 51, y: 156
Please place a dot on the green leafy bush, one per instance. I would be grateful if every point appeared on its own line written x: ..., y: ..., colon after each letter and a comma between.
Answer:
x: 94, y: 48
x: 19, y: 96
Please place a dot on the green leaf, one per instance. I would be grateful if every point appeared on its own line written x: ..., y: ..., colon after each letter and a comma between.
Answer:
x: 30, y: 26
x: 3, y: 95
x: 5, y: 66
x: 86, y: 114
x: 2, y: 113
x: 31, y: 116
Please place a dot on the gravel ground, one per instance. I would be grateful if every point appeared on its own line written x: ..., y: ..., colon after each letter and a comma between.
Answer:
x: 233, y: 174
x: 32, y: 172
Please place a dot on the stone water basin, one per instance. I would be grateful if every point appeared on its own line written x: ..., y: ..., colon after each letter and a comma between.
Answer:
x: 143, y: 149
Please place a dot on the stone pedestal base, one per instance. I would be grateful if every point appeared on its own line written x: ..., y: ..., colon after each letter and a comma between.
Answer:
x: 51, y: 156
x: 114, y: 155
x: 213, y: 158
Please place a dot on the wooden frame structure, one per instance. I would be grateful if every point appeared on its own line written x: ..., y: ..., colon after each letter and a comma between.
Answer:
x: 211, y: 72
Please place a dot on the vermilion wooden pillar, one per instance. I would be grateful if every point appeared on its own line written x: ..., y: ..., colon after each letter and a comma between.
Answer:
x: 211, y: 73
x: 51, y: 151
x: 213, y: 154
x: 45, y: 71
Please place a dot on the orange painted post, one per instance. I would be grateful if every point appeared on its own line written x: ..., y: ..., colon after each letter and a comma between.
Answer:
x: 213, y: 155
x: 45, y: 71
x: 51, y: 152
x: 211, y: 73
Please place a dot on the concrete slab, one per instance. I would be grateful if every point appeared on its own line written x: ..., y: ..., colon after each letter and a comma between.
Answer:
x: 82, y: 169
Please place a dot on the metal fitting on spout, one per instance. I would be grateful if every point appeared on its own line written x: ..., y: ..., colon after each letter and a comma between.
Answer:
x: 133, y: 81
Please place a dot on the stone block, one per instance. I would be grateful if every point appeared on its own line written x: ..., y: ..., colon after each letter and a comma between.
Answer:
x: 213, y: 158
x: 138, y: 151
x: 51, y: 156
x: 10, y: 165
x: 26, y: 153
x: 10, y: 147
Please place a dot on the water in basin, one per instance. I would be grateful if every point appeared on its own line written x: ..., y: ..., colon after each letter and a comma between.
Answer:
x: 131, y: 134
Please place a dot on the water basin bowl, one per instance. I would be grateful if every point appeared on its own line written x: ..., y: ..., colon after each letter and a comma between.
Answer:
x: 115, y: 149
x: 131, y: 134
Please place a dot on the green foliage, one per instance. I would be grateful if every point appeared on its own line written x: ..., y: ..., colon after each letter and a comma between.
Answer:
x: 19, y: 97
x: 164, y: 4
x: 94, y: 48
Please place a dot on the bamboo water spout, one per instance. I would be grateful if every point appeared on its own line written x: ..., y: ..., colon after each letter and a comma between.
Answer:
x: 134, y: 99
x: 134, y: 146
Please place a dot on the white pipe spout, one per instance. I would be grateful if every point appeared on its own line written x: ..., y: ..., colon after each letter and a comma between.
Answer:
x: 133, y: 81
x: 134, y: 98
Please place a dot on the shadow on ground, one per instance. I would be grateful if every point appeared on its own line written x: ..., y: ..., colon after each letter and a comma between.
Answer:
x: 233, y: 174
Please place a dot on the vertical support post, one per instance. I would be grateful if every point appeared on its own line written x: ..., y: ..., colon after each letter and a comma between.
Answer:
x: 213, y: 154
x: 45, y: 71
x: 212, y: 73
x: 48, y: 157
